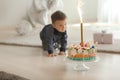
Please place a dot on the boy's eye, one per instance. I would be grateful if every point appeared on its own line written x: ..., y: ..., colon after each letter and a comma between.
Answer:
x: 62, y: 25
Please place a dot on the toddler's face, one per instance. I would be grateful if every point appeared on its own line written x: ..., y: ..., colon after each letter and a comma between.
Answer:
x: 60, y: 25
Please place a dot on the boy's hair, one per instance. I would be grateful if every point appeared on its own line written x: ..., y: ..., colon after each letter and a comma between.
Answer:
x: 58, y: 15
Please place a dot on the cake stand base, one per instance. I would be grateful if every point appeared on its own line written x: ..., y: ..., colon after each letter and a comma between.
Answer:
x: 81, y: 67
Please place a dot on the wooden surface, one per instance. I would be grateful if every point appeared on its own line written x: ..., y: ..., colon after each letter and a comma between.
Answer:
x: 32, y: 63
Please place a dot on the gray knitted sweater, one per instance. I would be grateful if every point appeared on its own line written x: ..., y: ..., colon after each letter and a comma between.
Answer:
x: 50, y: 36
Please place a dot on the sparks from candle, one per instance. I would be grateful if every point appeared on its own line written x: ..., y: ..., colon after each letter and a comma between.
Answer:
x: 79, y: 5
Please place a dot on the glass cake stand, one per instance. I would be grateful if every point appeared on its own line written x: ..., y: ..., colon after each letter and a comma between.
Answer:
x: 79, y: 65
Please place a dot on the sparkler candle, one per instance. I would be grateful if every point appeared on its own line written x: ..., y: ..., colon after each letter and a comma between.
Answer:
x: 81, y: 20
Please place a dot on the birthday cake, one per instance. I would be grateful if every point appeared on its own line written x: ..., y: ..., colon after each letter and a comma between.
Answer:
x: 80, y: 52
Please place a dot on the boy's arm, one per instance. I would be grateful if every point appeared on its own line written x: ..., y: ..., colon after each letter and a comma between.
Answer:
x: 49, y: 39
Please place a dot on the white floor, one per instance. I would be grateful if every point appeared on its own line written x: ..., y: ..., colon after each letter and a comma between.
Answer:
x: 33, y: 64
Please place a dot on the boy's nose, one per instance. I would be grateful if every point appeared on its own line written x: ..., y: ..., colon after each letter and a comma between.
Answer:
x: 63, y: 27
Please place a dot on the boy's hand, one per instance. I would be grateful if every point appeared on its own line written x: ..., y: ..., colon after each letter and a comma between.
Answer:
x: 61, y: 53
x: 51, y: 55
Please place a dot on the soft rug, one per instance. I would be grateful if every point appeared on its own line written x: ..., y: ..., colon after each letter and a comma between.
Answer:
x: 9, y: 76
x: 9, y: 36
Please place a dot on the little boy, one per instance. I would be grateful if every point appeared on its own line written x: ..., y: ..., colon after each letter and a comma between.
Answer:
x: 54, y: 35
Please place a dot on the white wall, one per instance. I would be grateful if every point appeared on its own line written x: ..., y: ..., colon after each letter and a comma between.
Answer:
x: 11, y: 11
